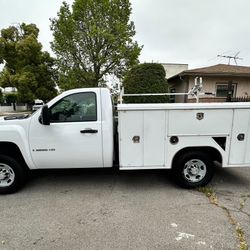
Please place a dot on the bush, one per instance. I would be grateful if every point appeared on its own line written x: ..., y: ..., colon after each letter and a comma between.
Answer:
x: 146, y: 78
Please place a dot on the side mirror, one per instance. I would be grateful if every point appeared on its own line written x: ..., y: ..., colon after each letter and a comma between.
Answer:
x: 45, y: 115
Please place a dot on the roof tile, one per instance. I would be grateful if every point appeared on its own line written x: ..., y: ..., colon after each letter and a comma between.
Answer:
x: 221, y: 68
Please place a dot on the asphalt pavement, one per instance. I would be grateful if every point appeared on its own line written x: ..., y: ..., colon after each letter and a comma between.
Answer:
x: 107, y: 209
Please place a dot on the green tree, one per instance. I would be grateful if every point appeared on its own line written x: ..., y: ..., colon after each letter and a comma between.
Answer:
x: 26, y: 66
x: 146, y: 78
x: 1, y: 96
x: 10, y: 98
x: 93, y: 40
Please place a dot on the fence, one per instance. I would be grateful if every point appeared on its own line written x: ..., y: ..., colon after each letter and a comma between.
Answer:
x: 208, y: 99
x: 10, y: 107
x: 239, y: 99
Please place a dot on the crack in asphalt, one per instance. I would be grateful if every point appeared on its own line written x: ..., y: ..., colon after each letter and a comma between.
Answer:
x: 231, y: 194
x: 242, y: 200
x: 211, y: 195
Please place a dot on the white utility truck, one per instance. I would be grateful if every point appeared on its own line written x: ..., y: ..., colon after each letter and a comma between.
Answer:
x: 76, y: 130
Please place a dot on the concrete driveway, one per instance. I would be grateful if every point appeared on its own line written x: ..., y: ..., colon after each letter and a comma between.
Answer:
x: 104, y: 209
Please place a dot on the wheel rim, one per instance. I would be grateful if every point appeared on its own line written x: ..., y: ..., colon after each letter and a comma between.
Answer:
x: 194, y: 170
x: 7, y: 175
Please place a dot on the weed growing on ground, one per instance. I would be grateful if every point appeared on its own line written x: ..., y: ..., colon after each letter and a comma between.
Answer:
x: 211, y: 195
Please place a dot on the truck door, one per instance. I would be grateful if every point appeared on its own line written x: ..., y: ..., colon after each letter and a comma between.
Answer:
x: 74, y: 137
x: 240, y: 141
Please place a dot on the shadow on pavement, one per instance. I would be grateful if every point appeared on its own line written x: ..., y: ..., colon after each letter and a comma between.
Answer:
x: 142, y: 178
x: 232, y: 176
x: 135, y: 178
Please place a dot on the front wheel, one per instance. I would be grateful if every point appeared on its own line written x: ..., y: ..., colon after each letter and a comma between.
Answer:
x: 193, y: 169
x: 11, y: 175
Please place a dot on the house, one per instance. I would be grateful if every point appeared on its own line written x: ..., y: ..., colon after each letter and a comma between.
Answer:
x: 216, y: 81
x: 173, y: 69
x: 8, y: 90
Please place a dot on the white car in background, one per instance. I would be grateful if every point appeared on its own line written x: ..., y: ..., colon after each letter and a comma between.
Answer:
x: 38, y: 104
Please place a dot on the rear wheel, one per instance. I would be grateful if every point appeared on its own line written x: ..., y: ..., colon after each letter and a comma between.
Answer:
x: 193, y: 169
x: 12, y: 175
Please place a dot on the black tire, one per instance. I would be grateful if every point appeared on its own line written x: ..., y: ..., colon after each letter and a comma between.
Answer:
x: 15, y: 170
x: 193, y: 169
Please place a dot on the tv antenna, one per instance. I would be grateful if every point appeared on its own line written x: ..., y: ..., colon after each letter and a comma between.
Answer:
x: 235, y: 57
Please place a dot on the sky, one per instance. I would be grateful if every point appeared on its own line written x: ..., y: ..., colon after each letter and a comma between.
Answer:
x: 171, y: 31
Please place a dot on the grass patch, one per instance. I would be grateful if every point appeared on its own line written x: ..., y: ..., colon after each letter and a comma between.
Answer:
x: 210, y: 193
x: 241, y: 236
x: 242, y: 203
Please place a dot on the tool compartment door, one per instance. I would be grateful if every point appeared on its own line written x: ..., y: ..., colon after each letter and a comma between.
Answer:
x: 142, y: 138
x: 240, y: 141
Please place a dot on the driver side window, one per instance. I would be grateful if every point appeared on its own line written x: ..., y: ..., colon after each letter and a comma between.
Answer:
x: 77, y: 107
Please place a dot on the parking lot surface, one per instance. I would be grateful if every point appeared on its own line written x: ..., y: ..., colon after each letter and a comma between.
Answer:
x: 107, y: 209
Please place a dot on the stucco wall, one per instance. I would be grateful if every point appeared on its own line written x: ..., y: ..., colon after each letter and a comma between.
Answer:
x: 209, y: 85
x: 180, y: 86
x: 243, y: 87
x: 174, y: 69
x: 184, y: 84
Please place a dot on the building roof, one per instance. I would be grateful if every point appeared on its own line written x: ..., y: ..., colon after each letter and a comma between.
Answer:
x: 217, y: 70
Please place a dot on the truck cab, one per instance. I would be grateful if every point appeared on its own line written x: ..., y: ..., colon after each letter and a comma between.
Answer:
x: 77, y: 134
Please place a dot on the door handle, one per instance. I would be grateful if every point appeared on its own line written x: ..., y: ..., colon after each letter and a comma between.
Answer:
x: 89, y: 131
